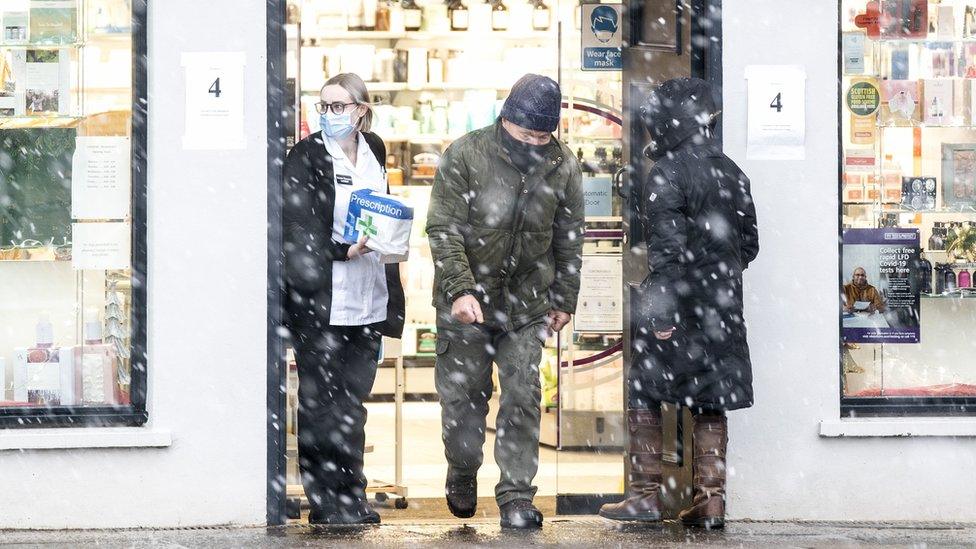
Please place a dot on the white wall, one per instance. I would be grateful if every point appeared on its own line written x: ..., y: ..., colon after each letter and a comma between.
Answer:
x: 779, y: 466
x: 207, y: 311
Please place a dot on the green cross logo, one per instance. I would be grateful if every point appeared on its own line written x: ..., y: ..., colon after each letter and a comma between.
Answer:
x: 365, y: 225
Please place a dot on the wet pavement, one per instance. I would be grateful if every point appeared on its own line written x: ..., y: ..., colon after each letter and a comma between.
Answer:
x: 559, y: 531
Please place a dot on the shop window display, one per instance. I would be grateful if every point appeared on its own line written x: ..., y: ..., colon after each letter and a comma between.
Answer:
x: 908, y: 162
x: 70, y: 228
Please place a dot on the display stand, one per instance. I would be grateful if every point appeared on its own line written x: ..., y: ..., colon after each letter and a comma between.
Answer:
x: 380, y: 489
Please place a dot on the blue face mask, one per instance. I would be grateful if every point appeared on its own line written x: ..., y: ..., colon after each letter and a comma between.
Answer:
x: 336, y: 126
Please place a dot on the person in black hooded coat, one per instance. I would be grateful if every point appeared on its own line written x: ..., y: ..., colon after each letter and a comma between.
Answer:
x: 690, y: 347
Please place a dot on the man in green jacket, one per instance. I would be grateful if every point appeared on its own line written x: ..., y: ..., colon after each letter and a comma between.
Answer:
x: 506, y: 233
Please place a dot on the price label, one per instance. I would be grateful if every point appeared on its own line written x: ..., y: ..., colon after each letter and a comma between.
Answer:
x: 777, y: 112
x: 214, y: 100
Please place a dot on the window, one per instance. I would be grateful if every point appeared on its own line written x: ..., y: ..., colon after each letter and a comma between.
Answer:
x: 908, y: 201
x: 72, y: 212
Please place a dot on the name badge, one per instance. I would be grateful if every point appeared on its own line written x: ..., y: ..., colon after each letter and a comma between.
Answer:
x: 343, y: 179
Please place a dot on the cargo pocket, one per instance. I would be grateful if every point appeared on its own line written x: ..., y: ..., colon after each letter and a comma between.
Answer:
x: 442, y: 346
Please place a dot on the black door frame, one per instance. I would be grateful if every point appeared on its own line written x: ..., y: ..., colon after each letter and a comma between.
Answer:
x: 707, y: 66
x: 277, y: 369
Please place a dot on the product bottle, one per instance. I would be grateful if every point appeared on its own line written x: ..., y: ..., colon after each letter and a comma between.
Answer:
x: 540, y: 16
x: 936, y: 241
x: 950, y: 235
x: 401, y: 66
x: 412, y: 17
x: 383, y: 16
x: 602, y: 166
x: 44, y: 332
x: 369, y: 14
x: 939, y: 278
x: 397, y: 23
x: 459, y: 15
x: 93, y: 328
x: 950, y: 278
x: 499, y: 15
x: 924, y: 269
x: 355, y: 15
x: 965, y: 279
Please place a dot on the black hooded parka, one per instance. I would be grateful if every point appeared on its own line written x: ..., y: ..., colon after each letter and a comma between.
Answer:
x: 699, y: 223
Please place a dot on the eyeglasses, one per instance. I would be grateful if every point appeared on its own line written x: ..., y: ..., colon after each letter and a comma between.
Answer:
x: 337, y: 108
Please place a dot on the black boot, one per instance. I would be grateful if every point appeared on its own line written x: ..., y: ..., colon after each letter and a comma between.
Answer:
x: 359, y: 512
x: 462, y: 494
x: 643, y: 503
x: 520, y: 513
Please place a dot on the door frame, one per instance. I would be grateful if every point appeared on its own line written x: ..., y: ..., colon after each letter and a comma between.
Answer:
x: 277, y: 370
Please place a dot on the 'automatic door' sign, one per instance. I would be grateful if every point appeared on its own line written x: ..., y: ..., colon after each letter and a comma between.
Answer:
x: 601, y: 37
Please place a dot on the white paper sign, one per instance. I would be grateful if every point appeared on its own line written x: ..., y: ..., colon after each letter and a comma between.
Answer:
x: 853, y: 49
x: 600, y: 307
x: 100, y: 174
x: 101, y: 246
x: 777, y: 112
x: 214, y: 100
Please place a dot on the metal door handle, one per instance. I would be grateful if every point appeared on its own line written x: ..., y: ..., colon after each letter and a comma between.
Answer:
x: 617, y: 182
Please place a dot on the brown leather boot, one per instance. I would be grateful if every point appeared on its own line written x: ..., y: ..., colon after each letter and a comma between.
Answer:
x: 710, y: 440
x: 643, y: 503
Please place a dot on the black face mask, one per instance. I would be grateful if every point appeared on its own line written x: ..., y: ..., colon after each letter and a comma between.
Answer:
x: 523, y: 155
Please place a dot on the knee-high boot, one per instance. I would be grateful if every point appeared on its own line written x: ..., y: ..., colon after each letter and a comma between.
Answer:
x: 645, y: 448
x: 711, y: 437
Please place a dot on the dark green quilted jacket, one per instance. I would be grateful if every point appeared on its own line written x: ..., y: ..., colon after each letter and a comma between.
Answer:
x: 514, y: 241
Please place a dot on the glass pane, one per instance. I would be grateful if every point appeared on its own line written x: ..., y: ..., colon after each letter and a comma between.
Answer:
x: 659, y: 24
x: 586, y: 392
x: 909, y: 198
x: 65, y: 202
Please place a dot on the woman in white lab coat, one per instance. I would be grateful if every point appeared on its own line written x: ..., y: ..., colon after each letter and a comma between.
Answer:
x: 341, y: 299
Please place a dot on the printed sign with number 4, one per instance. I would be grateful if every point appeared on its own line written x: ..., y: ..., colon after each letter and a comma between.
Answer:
x: 777, y: 126
x: 214, y: 101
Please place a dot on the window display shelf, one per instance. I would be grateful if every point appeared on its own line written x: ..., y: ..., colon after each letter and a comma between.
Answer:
x: 592, y: 138
x: 911, y: 211
x: 339, y: 36
x: 927, y: 127
x: 932, y: 41
x: 32, y: 46
x: 417, y: 138
x: 21, y: 122
x: 34, y: 260
x: 443, y: 86
x: 967, y: 296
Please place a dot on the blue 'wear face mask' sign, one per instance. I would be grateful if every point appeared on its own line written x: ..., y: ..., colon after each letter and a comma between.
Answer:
x: 601, y: 40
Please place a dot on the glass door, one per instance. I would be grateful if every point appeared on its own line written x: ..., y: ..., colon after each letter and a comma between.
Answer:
x: 663, y: 39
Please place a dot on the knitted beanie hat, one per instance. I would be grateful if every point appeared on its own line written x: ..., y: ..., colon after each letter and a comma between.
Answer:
x: 534, y: 103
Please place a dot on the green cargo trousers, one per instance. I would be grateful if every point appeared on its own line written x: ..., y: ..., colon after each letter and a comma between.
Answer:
x: 463, y: 378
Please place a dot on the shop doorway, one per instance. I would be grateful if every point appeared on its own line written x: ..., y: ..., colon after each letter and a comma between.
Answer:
x: 432, y: 85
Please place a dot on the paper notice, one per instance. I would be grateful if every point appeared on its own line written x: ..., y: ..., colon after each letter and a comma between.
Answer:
x: 600, y: 304
x: 101, y: 246
x: 777, y: 112
x: 100, y: 178
x: 214, y: 100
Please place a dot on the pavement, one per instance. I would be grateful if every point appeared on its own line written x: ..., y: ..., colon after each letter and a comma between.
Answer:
x: 568, y: 531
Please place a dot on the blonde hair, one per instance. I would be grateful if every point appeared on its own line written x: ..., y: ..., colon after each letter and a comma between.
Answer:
x: 356, y: 89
